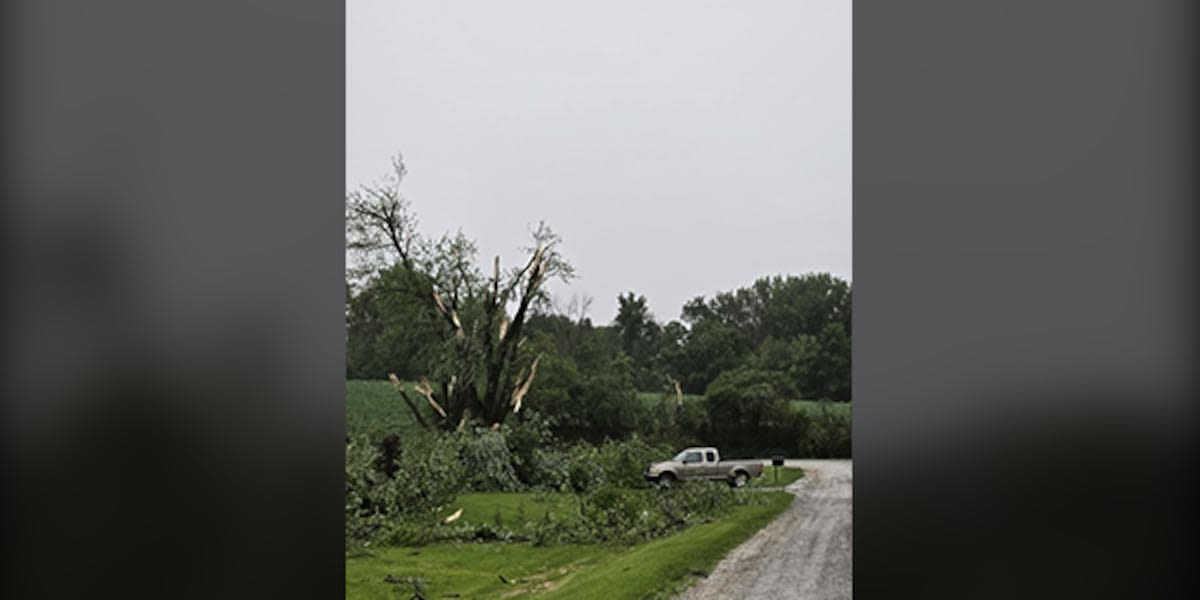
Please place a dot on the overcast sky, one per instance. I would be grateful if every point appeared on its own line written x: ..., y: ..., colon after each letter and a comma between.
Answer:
x: 681, y: 148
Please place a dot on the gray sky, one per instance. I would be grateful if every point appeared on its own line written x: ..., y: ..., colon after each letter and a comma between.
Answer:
x: 679, y: 147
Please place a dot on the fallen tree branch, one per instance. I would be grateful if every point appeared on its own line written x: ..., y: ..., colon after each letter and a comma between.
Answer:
x: 425, y: 389
x: 412, y: 406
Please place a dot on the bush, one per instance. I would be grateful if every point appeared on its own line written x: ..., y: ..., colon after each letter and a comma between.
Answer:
x: 829, y: 435
x: 611, y: 514
x: 750, y: 417
x: 623, y: 463
x: 378, y: 505
x: 537, y: 462
x: 395, y: 487
x: 613, y: 463
x: 697, y: 502
x: 489, y: 464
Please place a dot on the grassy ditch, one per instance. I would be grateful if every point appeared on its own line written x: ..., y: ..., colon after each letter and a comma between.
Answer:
x: 655, y: 568
x: 768, y: 479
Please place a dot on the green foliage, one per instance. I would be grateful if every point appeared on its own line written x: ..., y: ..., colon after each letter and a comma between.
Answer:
x: 829, y: 373
x: 614, y: 515
x: 639, y: 335
x: 748, y: 414
x: 473, y: 360
x: 797, y: 326
x: 712, y: 347
x: 489, y: 463
x: 610, y: 514
x: 623, y: 463
x: 375, y: 410
x: 389, y: 326
x: 612, y: 463
x: 656, y: 568
x: 742, y: 401
x: 427, y: 474
x: 830, y: 434
x: 780, y: 478
x: 536, y: 460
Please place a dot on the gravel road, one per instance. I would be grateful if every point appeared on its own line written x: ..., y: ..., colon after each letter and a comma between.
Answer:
x: 805, y: 553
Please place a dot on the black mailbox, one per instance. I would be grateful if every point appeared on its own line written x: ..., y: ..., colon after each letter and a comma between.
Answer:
x: 777, y: 460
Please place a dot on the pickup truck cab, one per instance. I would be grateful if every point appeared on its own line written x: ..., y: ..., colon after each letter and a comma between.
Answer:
x: 703, y: 463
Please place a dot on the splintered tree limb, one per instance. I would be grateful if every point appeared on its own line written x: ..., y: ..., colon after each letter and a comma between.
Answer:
x: 451, y: 315
x: 412, y: 406
x: 519, y: 393
x: 425, y: 389
x: 674, y: 383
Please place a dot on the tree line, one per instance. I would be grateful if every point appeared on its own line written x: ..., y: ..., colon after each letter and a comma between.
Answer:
x: 483, y: 347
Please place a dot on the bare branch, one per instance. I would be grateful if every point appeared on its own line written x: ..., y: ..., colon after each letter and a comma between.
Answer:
x: 412, y: 406
x: 519, y: 393
x: 426, y: 390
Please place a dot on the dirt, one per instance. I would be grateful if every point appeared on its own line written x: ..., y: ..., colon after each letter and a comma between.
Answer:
x: 805, y: 553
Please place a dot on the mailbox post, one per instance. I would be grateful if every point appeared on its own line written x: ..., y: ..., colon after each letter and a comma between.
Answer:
x: 775, y: 462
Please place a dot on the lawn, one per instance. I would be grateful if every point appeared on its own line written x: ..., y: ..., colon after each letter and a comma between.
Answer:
x: 514, y: 509
x: 768, y: 479
x: 653, y: 569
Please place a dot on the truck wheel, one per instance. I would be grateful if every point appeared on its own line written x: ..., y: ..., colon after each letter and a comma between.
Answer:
x: 740, y: 479
x: 666, y: 479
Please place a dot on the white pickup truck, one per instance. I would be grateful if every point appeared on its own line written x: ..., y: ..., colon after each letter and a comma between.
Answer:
x: 703, y: 463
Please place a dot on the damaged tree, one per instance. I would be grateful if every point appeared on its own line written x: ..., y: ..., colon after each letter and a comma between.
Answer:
x: 479, y: 372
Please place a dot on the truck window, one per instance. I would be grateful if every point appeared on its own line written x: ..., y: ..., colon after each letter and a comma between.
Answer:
x: 692, y: 457
x: 711, y: 456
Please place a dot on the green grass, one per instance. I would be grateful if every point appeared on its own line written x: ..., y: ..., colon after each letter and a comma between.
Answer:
x: 786, y: 476
x: 659, y: 568
x: 481, y: 508
x: 653, y: 569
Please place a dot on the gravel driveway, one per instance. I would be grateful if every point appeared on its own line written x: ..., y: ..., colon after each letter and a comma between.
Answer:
x: 805, y: 553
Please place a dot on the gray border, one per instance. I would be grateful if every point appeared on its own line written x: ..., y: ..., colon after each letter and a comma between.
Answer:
x: 1023, y: 199
x: 174, y: 375
x: 1024, y: 298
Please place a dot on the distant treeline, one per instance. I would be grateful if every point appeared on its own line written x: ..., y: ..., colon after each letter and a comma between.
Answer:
x: 748, y: 351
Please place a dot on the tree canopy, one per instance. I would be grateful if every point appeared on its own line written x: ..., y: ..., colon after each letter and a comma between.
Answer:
x: 475, y: 369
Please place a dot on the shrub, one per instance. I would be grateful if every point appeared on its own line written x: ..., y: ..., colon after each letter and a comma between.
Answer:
x: 552, y: 531
x: 611, y: 514
x: 381, y: 506
x: 489, y: 463
x: 829, y: 435
x: 623, y: 463
x: 749, y: 416
x: 583, y: 470
x: 536, y: 462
